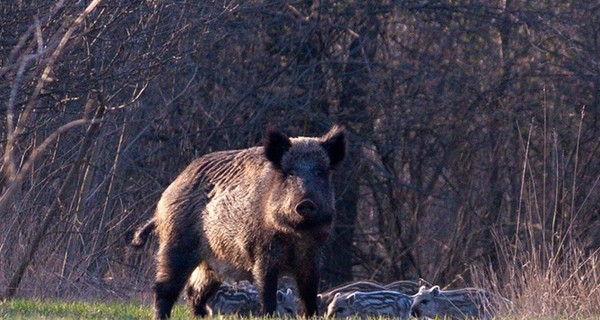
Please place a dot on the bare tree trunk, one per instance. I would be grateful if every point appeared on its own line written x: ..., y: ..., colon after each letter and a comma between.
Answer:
x: 353, y: 101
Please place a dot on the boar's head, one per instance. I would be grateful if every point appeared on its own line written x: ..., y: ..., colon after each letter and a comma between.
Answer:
x: 300, y: 194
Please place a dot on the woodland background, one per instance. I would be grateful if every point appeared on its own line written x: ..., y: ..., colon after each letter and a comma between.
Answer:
x: 474, y: 131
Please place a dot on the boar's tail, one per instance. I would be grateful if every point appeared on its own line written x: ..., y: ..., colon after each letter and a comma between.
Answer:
x: 141, y: 234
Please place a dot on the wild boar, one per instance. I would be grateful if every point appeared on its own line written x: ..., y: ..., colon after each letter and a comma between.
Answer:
x: 242, y: 300
x: 404, y: 286
x: 326, y: 297
x: 465, y: 303
x: 386, y: 303
x: 261, y: 213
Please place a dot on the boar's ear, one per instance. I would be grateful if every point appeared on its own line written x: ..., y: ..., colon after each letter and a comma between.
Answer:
x: 276, y: 145
x: 334, y: 142
x: 351, y: 299
x: 319, y: 299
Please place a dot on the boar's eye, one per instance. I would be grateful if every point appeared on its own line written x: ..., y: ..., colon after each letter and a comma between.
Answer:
x: 291, y: 173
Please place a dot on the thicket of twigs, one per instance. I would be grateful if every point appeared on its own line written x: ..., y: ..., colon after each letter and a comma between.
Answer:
x: 475, y: 151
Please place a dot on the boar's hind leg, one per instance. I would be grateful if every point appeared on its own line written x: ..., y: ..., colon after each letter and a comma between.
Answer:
x: 175, y: 263
x: 203, y: 284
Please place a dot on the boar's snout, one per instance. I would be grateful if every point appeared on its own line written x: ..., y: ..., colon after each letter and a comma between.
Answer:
x: 307, y: 208
x: 313, y: 216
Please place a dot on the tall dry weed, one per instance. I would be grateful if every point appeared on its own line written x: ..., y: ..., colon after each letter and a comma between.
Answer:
x: 547, y: 271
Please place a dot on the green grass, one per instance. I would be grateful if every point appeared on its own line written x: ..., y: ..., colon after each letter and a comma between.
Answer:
x: 49, y: 309
x: 53, y: 309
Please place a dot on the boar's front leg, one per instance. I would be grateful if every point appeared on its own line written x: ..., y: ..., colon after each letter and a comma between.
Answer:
x: 265, y: 275
x: 308, y: 286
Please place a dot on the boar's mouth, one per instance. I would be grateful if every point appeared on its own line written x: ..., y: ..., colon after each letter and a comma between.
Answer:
x: 315, y: 222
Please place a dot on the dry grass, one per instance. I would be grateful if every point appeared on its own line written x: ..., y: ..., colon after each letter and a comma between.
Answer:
x: 565, y: 285
x: 545, y: 269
